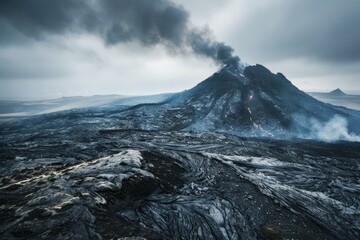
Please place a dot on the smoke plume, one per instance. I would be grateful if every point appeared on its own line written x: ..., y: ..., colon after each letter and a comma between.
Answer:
x: 333, y: 130
x: 117, y: 21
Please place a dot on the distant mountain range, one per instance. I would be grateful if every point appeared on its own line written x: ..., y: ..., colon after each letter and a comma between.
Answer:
x: 28, y: 108
x: 338, y: 98
x: 337, y: 92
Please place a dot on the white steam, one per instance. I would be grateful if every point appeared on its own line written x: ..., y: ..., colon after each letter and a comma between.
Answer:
x: 333, y: 130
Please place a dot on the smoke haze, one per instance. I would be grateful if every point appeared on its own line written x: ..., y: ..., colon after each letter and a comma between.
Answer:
x: 334, y: 130
x: 118, y: 21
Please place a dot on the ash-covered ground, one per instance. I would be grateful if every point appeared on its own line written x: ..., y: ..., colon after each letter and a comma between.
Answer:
x: 78, y: 181
x: 178, y: 168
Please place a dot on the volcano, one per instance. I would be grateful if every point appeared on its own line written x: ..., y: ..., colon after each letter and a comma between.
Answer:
x: 250, y: 101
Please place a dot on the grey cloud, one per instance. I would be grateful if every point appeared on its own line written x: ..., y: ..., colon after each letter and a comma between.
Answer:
x: 10, y: 35
x: 149, y: 22
x: 116, y: 21
x: 34, y: 17
x: 326, y: 30
x: 10, y: 69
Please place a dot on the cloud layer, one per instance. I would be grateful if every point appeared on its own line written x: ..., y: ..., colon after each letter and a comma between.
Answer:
x: 55, y: 48
x: 323, y: 30
x: 117, y: 21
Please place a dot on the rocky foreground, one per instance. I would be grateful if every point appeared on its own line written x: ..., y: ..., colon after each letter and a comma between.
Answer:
x: 111, y: 184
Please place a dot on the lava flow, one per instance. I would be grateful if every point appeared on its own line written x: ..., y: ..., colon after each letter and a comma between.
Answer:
x: 257, y: 126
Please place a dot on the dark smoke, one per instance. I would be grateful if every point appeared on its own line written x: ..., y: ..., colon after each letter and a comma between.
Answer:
x: 117, y: 21
x: 203, y: 44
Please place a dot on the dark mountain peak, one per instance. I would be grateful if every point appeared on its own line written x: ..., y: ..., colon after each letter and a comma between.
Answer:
x: 260, y: 73
x: 228, y: 78
x: 258, y: 70
x: 337, y: 92
x: 249, y: 101
x: 264, y: 80
x: 255, y: 78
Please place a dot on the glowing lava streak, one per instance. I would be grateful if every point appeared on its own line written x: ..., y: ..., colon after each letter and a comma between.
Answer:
x: 257, y: 126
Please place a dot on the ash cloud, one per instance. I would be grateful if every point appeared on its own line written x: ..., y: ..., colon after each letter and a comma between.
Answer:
x: 117, y: 21
x: 201, y: 43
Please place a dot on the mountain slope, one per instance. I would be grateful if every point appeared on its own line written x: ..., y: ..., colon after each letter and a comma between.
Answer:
x: 251, y: 101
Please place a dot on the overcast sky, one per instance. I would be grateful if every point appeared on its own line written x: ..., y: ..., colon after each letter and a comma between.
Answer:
x: 50, y: 49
